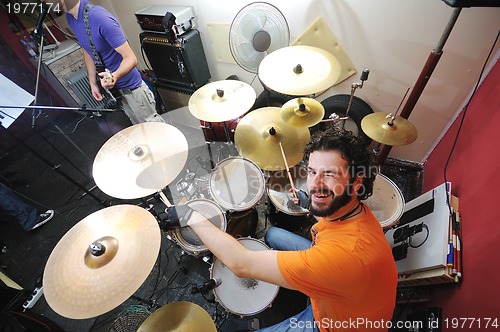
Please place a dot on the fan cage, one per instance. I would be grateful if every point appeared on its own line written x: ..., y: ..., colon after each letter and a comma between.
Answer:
x: 240, y: 46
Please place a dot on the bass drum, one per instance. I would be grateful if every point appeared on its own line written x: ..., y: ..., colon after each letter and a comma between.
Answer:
x: 242, y: 296
x: 214, y: 131
x: 338, y: 104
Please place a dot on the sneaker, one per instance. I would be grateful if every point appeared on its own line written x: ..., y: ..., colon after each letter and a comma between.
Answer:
x: 44, y: 218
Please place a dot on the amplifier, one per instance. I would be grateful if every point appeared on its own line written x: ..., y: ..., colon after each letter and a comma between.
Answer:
x: 150, y: 19
x: 180, y: 63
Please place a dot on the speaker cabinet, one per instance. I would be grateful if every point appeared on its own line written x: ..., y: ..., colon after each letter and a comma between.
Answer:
x: 180, y: 63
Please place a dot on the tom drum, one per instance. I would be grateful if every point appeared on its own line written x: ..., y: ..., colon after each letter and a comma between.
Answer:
x: 186, y: 237
x: 236, y: 184
x: 387, y: 202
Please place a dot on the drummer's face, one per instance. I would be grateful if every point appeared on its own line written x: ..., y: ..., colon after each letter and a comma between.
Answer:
x: 328, y: 183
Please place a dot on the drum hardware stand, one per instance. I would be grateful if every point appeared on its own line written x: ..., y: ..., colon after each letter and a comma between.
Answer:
x: 423, y: 78
x: 354, y: 87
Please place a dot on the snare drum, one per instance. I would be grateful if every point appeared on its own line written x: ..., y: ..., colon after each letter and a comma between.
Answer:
x: 186, y: 237
x: 387, y: 202
x: 278, y: 189
x: 242, y: 296
x: 236, y: 184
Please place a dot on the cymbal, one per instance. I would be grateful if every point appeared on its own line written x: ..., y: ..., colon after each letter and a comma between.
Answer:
x: 83, y: 280
x: 140, y: 160
x: 299, y: 70
x: 180, y: 317
x: 259, y: 133
x: 389, y: 129
x: 302, y: 112
x: 221, y: 100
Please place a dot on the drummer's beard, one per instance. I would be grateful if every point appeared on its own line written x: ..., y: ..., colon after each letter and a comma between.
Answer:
x: 337, y: 202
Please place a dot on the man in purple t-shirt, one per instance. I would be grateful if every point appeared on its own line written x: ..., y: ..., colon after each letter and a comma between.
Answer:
x: 117, y: 57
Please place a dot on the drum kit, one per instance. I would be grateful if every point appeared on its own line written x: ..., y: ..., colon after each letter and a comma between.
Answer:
x: 104, y: 258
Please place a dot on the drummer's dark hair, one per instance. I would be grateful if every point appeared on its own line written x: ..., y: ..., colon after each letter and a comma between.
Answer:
x: 360, y: 161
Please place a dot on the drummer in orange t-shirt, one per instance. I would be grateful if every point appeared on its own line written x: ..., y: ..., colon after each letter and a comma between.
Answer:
x: 348, y: 270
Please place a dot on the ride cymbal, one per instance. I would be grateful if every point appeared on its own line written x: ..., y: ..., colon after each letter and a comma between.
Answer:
x: 179, y: 317
x: 140, y: 160
x: 222, y: 100
x: 389, y: 129
x: 101, y: 261
x: 302, y: 112
x: 259, y: 133
x: 299, y: 70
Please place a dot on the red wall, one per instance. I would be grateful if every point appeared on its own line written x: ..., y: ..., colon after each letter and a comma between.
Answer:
x: 474, y: 173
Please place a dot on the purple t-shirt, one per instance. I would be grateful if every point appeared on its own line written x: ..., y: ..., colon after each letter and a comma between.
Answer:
x: 107, y: 35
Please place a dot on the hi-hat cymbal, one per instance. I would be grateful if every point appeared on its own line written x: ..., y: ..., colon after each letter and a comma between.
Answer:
x: 259, y: 133
x: 222, y: 100
x: 299, y: 70
x: 140, y: 160
x: 302, y: 112
x: 389, y: 129
x: 179, y: 317
x: 101, y: 261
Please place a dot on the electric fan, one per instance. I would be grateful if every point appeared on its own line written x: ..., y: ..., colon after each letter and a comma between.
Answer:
x: 257, y: 30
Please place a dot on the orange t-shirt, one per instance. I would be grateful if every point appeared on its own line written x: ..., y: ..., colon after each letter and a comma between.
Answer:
x: 349, y: 273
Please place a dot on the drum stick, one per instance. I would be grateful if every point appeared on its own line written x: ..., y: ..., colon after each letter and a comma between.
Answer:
x: 164, y: 199
x: 288, y: 171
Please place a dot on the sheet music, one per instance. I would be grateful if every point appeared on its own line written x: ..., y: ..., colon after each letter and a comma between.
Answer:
x: 12, y: 95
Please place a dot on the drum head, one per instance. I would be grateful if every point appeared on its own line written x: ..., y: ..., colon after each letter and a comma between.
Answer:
x: 186, y: 237
x: 387, y: 202
x: 242, y: 296
x: 236, y: 184
x: 278, y: 189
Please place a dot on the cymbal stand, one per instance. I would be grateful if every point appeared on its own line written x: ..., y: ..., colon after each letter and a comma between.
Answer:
x: 354, y: 87
x: 391, y: 118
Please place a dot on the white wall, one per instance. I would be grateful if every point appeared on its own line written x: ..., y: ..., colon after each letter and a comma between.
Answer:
x: 393, y: 38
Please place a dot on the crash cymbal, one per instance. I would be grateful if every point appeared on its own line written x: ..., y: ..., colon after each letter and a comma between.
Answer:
x: 221, y: 100
x: 259, y: 133
x: 299, y: 70
x: 101, y: 261
x: 140, y: 160
x: 389, y: 129
x: 302, y: 112
x: 178, y: 317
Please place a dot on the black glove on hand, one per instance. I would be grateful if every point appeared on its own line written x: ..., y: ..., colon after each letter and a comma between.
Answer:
x: 178, y: 216
x: 303, y: 199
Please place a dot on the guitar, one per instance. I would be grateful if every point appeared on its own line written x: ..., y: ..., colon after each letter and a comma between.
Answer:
x: 112, y: 96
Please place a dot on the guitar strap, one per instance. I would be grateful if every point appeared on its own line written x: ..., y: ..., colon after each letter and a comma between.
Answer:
x: 114, y: 93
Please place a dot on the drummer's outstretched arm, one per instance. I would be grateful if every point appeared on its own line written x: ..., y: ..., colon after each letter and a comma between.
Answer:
x: 245, y: 263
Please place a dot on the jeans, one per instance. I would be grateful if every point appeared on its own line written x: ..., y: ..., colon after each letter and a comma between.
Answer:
x: 303, y: 321
x: 281, y: 239
x: 12, y: 206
